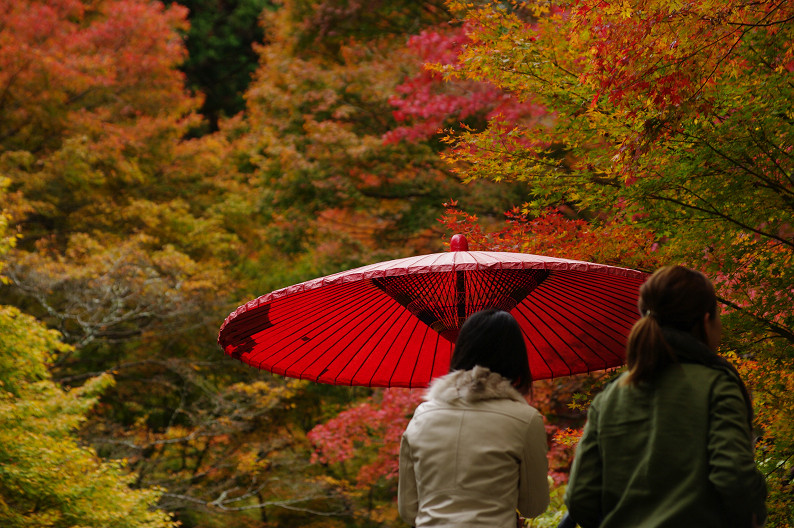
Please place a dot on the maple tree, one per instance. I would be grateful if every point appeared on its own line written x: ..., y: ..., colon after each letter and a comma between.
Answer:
x: 88, y: 133
x: 66, y: 51
x: 112, y: 246
x: 660, y: 138
x: 772, y: 404
x: 424, y: 104
x: 361, y: 446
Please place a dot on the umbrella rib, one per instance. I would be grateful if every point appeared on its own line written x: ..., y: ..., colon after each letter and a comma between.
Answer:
x: 306, y: 351
x: 299, y: 305
x: 342, y: 300
x: 542, y: 297
x: 584, y: 287
x: 372, y: 294
x: 534, y: 345
x: 622, y: 315
x: 394, y: 307
x: 551, y: 308
x: 557, y: 334
x: 383, y: 356
x: 588, y: 309
x: 435, y: 350
x: 612, y: 287
x: 540, y: 294
x: 413, y: 382
x: 428, y: 331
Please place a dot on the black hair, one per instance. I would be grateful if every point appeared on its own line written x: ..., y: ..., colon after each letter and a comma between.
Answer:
x: 492, y: 339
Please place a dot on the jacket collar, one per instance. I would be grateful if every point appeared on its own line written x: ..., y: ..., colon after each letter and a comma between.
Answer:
x: 689, y: 349
x: 472, y: 385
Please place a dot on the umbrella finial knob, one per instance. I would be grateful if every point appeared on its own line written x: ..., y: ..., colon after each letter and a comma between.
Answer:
x: 458, y: 243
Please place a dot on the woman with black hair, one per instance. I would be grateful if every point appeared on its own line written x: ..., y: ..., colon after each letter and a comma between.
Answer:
x: 669, y: 442
x: 475, y: 450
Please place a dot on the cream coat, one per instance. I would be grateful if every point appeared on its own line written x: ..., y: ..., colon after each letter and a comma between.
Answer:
x: 473, y: 453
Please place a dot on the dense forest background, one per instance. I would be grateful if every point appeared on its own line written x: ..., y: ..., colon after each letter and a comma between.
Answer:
x: 162, y: 163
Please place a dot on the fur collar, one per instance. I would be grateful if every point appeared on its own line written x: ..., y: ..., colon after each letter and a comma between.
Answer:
x: 472, y: 385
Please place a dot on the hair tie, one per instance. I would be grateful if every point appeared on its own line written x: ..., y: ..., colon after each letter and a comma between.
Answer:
x: 650, y: 313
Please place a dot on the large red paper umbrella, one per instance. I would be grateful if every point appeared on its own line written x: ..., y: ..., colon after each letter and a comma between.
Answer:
x: 394, y: 323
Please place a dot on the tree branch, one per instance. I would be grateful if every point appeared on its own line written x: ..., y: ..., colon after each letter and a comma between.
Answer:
x: 290, y: 504
x: 783, y: 332
x: 713, y: 212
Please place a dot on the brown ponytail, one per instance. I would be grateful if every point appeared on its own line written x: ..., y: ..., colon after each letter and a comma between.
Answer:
x: 676, y: 297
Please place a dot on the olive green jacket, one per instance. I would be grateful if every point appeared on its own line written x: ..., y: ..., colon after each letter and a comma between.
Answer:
x: 677, y: 452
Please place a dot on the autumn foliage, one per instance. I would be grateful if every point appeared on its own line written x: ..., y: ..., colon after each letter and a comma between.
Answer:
x: 424, y: 105
x: 376, y: 426
x: 632, y: 133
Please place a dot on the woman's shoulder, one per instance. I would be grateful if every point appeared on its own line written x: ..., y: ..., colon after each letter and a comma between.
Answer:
x: 715, y: 380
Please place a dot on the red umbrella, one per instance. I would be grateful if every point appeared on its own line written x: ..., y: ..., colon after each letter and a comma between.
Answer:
x: 394, y: 323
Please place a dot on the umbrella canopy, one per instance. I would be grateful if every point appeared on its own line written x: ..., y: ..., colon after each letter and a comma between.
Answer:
x: 394, y: 323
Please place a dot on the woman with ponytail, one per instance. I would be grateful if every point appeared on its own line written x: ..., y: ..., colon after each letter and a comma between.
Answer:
x: 669, y: 442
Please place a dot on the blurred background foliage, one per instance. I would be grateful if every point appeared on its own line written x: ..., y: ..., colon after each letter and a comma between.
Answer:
x: 162, y: 163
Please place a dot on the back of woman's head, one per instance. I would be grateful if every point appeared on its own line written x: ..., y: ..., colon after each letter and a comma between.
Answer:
x: 674, y: 297
x: 493, y: 339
